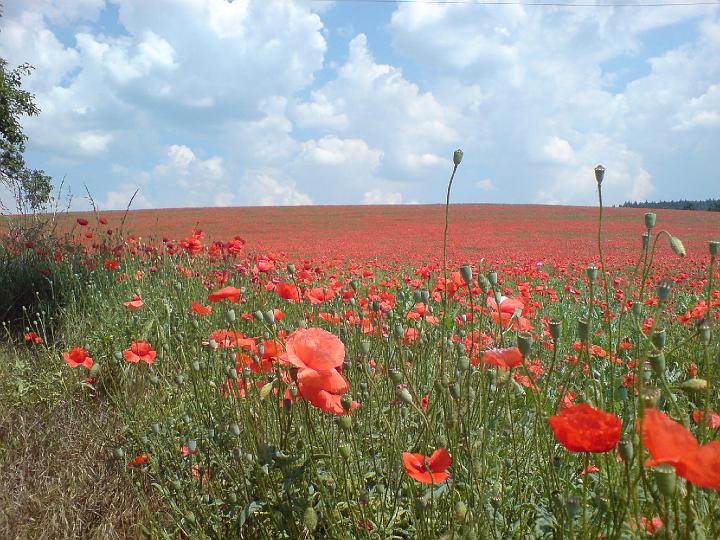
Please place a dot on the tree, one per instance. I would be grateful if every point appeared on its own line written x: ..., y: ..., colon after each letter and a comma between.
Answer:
x: 31, y: 188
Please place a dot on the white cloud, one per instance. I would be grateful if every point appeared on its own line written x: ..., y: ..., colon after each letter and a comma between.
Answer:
x: 379, y: 196
x: 269, y: 191
x: 485, y: 184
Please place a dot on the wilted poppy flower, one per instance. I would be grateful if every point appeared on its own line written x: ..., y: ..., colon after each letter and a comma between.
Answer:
x: 135, y: 303
x: 140, y: 350
x: 504, y: 358
x: 200, y: 309
x: 671, y: 443
x: 580, y: 428
x: 314, y: 348
x: 78, y: 357
x: 32, y: 337
x: 231, y: 293
x: 428, y: 470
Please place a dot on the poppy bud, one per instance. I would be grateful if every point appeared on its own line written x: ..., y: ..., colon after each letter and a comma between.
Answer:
x: 524, y: 343
x: 657, y: 361
x: 650, y: 218
x: 582, y: 328
x: 625, y: 449
x: 118, y: 355
x: 599, y: 174
x: 457, y: 157
x: 664, y: 476
x: 291, y: 269
x: 663, y: 289
x: 179, y: 380
x: 259, y: 315
x: 677, y: 246
x: 395, y: 376
x: 713, y: 245
x: 235, y: 429
x: 269, y: 317
x: 417, y: 296
x: 694, y: 385
x: 155, y: 380
x: 658, y: 338
x: 592, y: 273
x: 232, y: 373
x: 466, y: 273
x: 463, y: 363
x: 454, y: 388
x: 196, y: 365
x: 246, y: 372
x: 404, y: 394
x: 344, y: 422
x: 230, y: 316
x: 492, y: 277
x: 293, y: 391
x: 555, y: 326
x: 345, y: 451
x: 346, y: 402
x: 156, y: 428
x: 460, y: 511
x: 484, y: 283
x: 310, y: 518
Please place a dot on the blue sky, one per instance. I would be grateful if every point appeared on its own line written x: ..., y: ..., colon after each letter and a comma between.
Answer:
x: 266, y: 102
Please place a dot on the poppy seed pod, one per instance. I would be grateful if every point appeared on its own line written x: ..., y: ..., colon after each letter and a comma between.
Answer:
x: 704, y: 330
x: 404, y: 394
x: 524, y: 343
x: 395, y: 376
x: 637, y: 308
x: 346, y: 402
x: 651, y: 396
x: 492, y: 277
x: 259, y: 315
x: 658, y: 338
x: 484, y: 283
x: 713, y: 245
x: 466, y: 273
x: 599, y: 174
x: 657, y: 361
x: 625, y: 449
x: 345, y: 451
x: 572, y: 505
x: 119, y: 453
x: 454, y: 390
x: 196, y: 365
x: 665, y: 477
x: 694, y: 385
x: 663, y: 290
x: 463, y: 363
x: 425, y: 295
x: 555, y: 329
x: 592, y: 273
x: 417, y: 296
x: 291, y: 269
x: 650, y: 219
x: 460, y: 511
x: 582, y: 329
x: 365, y: 347
x: 677, y: 246
x: 269, y: 317
x: 457, y: 157
x: 344, y: 422
x: 231, y: 316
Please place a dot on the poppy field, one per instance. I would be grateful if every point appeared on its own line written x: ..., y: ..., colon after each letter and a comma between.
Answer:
x: 326, y: 373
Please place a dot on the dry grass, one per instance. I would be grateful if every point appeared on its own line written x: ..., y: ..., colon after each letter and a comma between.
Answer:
x: 56, y: 480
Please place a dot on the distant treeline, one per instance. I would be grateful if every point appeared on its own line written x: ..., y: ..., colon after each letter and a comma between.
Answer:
x: 712, y: 205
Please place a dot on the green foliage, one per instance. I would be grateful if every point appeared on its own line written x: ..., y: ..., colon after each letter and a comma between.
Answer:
x: 31, y: 188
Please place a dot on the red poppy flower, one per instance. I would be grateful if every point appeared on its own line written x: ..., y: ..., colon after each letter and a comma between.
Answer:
x: 138, y: 460
x: 140, y: 350
x: 200, y: 309
x: 670, y: 442
x: 314, y: 348
x: 428, y: 470
x: 231, y: 293
x: 82, y: 222
x: 324, y: 389
x: 504, y: 358
x: 318, y: 295
x: 712, y: 419
x: 103, y: 221
x: 580, y: 428
x: 33, y: 337
x: 288, y: 291
x: 78, y: 357
x: 135, y: 303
